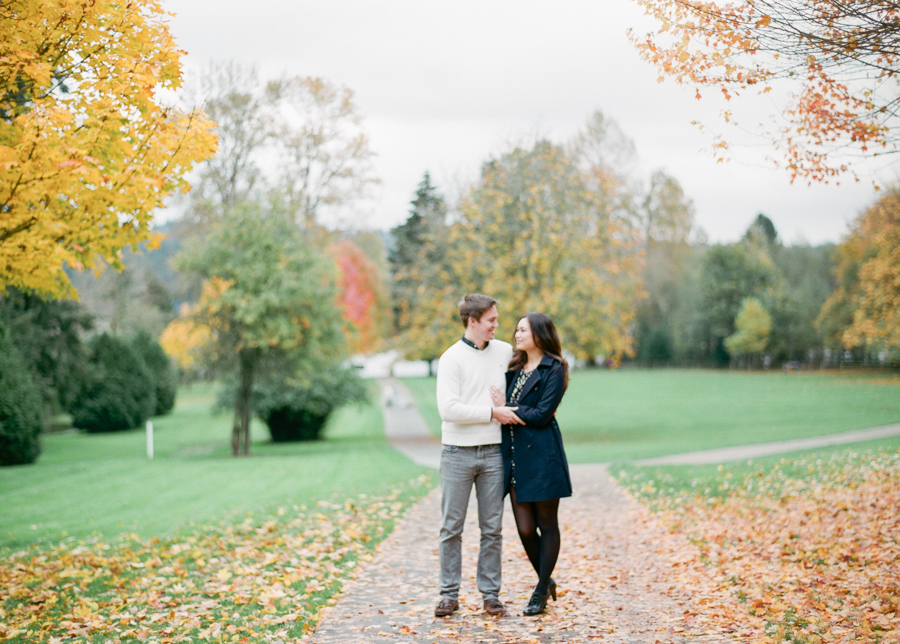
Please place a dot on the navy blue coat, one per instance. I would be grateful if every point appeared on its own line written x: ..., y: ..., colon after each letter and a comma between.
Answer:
x: 542, y: 472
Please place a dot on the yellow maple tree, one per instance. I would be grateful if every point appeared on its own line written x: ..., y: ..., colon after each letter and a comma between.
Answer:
x: 539, y: 234
x: 87, y: 149
x: 875, y: 300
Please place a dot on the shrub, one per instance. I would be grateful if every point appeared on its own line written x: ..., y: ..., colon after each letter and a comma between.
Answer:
x: 297, y: 410
x: 21, y: 408
x: 117, y: 390
x: 164, y: 377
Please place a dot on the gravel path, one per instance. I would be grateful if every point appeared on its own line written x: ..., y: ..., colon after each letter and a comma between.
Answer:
x: 613, y: 582
x: 617, y: 573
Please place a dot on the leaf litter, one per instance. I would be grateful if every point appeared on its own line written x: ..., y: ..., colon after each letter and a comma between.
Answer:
x: 808, y: 551
x: 256, y: 580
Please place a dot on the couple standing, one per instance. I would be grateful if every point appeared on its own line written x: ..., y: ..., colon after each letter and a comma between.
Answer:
x: 499, y: 433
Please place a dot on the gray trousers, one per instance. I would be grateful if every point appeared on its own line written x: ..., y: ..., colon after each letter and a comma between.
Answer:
x: 461, y: 467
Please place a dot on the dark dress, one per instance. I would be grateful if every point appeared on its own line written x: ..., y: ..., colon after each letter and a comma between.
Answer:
x: 534, y: 452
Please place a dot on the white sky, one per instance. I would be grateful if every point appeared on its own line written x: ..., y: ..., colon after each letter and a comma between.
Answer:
x: 444, y: 85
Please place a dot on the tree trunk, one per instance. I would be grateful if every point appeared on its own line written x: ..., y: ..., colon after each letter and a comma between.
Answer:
x: 240, y: 434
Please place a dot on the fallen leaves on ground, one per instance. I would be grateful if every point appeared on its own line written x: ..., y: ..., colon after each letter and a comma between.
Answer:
x: 613, y: 584
x: 241, y: 582
x: 810, y: 550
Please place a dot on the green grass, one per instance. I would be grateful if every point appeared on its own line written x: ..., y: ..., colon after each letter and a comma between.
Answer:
x: 423, y: 393
x: 103, y: 484
x: 664, y: 483
x: 631, y: 414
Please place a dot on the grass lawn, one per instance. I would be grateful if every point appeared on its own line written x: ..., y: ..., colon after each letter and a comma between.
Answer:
x: 652, y: 483
x: 633, y: 413
x: 103, y: 484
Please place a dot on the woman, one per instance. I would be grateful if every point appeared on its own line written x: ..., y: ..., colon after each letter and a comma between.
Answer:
x: 537, y: 474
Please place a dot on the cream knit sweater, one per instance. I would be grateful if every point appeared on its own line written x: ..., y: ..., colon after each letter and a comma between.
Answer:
x: 465, y: 375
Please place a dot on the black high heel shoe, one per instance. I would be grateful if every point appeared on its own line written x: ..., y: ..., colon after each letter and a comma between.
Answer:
x: 538, y: 601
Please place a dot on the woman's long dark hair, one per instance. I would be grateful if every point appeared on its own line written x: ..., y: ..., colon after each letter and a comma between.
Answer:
x: 545, y: 338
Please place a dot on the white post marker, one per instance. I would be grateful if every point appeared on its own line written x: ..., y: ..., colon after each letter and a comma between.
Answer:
x: 149, y: 440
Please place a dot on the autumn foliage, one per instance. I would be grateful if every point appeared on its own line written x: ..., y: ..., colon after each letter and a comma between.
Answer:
x: 238, y: 580
x: 361, y: 299
x: 184, y: 340
x: 864, y: 310
x: 838, y: 60
x: 87, y: 149
x: 538, y: 233
x: 808, y: 556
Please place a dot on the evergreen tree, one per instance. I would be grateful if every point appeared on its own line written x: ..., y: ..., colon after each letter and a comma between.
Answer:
x: 117, y: 391
x: 20, y: 409
x: 48, y: 335
x: 418, y: 249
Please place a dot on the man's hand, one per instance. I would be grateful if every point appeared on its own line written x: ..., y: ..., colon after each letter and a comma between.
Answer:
x: 497, y: 397
x: 506, y: 416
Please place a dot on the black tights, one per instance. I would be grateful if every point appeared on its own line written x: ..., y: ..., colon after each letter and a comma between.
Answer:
x: 539, y: 531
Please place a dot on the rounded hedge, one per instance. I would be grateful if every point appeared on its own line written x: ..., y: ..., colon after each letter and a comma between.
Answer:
x: 164, y: 376
x: 21, y: 408
x: 297, y: 411
x: 117, y: 390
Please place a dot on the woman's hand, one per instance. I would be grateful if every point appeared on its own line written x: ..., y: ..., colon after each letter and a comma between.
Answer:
x: 497, y: 397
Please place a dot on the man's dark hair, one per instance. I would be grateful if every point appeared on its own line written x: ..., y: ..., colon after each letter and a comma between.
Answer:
x: 473, y: 305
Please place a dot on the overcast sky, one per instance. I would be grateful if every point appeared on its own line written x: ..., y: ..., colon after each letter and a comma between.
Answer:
x: 443, y: 85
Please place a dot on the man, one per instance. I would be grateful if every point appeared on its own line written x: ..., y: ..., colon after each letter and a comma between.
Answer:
x: 470, y: 433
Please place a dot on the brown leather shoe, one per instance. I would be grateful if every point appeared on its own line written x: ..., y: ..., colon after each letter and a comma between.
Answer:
x: 446, y: 607
x: 494, y: 606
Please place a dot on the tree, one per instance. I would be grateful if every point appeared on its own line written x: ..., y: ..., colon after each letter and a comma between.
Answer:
x: 607, y: 157
x: 324, y: 155
x: 751, y: 329
x: 762, y: 231
x: 48, y: 334
x: 865, y: 308
x: 294, y: 141
x: 419, y: 251
x: 362, y: 300
x: 184, y: 342
x: 666, y: 214
x: 165, y: 380
x: 21, y: 420
x: 808, y: 281
x: 116, y: 389
x: 536, y: 234
x: 299, y: 412
x: 839, y: 60
x: 87, y: 149
x: 665, y: 217
x: 730, y: 274
x: 268, y: 298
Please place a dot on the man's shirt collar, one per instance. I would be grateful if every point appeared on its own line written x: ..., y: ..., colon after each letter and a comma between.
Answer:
x: 473, y: 345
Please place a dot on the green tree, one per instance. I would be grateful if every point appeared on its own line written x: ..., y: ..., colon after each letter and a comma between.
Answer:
x: 165, y: 379
x: 419, y: 250
x: 268, y: 301
x: 752, y: 326
x: 808, y: 281
x: 116, y: 389
x: 762, y: 231
x: 48, y: 334
x: 730, y: 274
x: 21, y: 420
